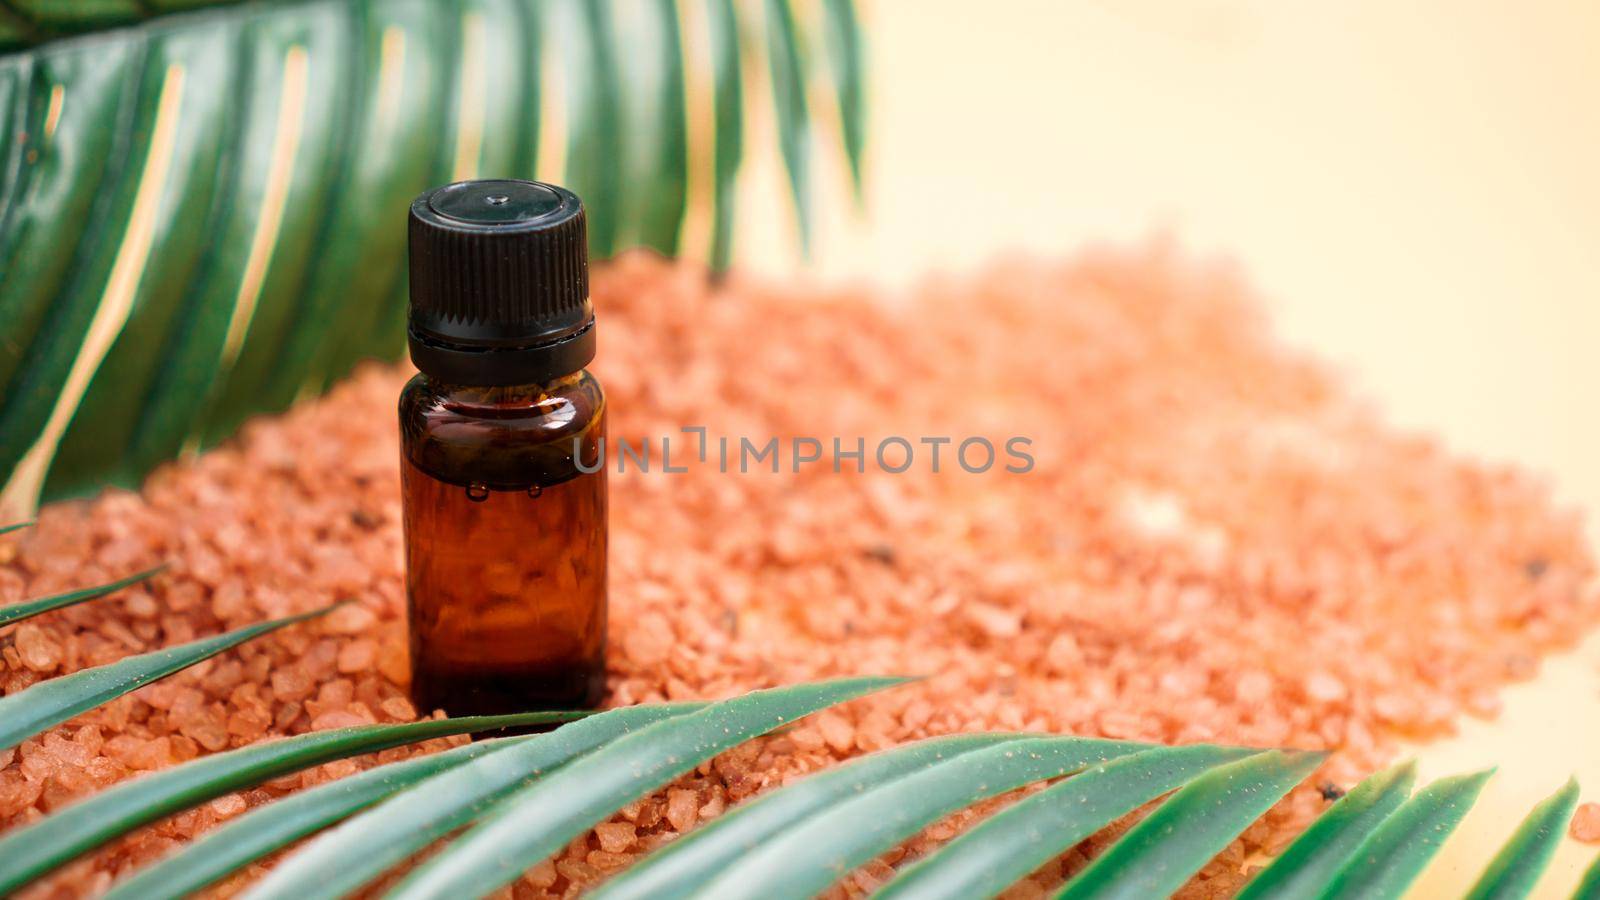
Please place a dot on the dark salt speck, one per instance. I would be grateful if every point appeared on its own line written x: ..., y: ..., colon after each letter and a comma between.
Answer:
x: 883, y: 553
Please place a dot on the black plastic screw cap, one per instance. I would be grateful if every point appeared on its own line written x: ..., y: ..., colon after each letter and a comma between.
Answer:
x: 499, y: 283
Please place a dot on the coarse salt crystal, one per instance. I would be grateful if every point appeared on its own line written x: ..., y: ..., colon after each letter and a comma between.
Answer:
x: 1586, y: 823
x: 1324, y: 687
x: 615, y: 837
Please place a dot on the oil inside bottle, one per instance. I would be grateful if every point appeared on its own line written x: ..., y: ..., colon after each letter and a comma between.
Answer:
x: 507, y: 592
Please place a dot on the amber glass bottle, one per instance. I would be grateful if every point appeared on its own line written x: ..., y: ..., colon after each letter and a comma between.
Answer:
x: 505, y: 533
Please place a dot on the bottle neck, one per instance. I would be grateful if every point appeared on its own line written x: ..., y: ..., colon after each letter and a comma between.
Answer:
x: 504, y: 396
x: 485, y: 367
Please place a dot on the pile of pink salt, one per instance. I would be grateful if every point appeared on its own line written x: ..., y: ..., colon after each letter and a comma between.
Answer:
x: 1217, y: 543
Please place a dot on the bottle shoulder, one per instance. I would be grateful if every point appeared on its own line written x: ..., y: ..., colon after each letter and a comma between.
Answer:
x: 518, y: 434
x: 535, y: 412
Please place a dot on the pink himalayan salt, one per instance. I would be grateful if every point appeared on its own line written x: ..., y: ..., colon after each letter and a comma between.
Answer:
x: 357, y: 656
x: 1253, y: 687
x: 608, y: 862
x: 291, y: 684
x: 36, y: 649
x: 337, y: 719
x: 228, y: 806
x: 1299, y: 535
x: 249, y: 723
x: 398, y: 708
x: 651, y: 641
x: 836, y: 731
x: 683, y: 808
x: 541, y: 876
x: 1586, y: 823
x: 1326, y: 688
x: 995, y: 621
x: 616, y: 837
x: 577, y: 872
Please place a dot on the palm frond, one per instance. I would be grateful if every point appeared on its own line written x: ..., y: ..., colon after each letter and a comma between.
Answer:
x: 26, y: 22
x: 530, y: 796
x: 787, y: 66
x: 1589, y: 886
x: 1333, y: 838
x: 19, y: 611
x: 1515, y: 870
x: 1394, y: 854
x: 807, y: 858
x: 366, y: 846
x: 538, y: 820
x: 596, y: 142
x: 202, y: 215
x: 261, y: 831
x: 34, y: 709
x: 659, y: 122
x: 677, y: 870
x: 847, y: 52
x: 728, y: 113
x: 1168, y: 846
x: 38, y: 848
x: 1004, y: 848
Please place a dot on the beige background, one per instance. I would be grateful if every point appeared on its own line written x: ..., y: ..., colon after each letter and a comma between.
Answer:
x: 1415, y: 187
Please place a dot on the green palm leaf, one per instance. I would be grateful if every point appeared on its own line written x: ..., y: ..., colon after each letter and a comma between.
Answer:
x: 202, y: 216
x: 1589, y: 885
x: 596, y: 141
x: 178, y: 91
x: 240, y: 842
x: 847, y: 51
x: 1168, y: 846
x: 57, y: 241
x: 36, y: 849
x: 507, y: 118
x: 1332, y: 839
x: 33, y: 709
x: 1004, y: 848
x: 19, y: 611
x: 13, y: 30
x: 294, y: 113
x: 676, y: 870
x: 36, y: 20
x: 389, y: 155
x: 1516, y: 868
x: 1395, y: 853
x: 789, y: 103
x: 817, y: 851
x: 660, y: 117
x: 534, y: 794
x: 728, y: 111
x: 364, y: 847
x: 538, y: 820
